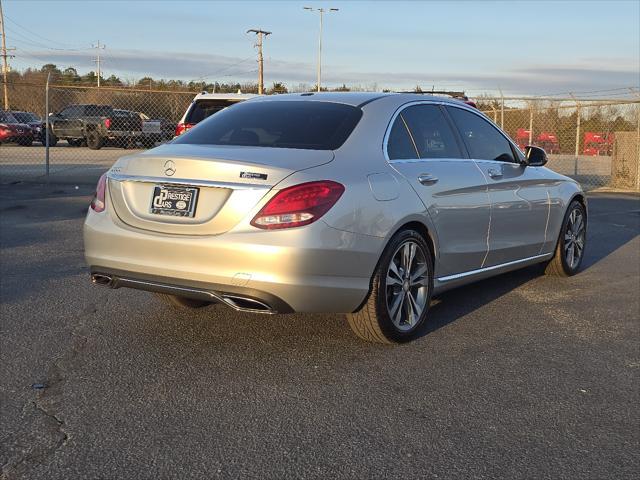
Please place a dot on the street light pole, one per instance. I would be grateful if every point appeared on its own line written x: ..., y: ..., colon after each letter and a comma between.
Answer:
x: 321, y: 12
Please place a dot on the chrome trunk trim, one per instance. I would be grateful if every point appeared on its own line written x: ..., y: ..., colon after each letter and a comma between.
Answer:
x: 119, y: 177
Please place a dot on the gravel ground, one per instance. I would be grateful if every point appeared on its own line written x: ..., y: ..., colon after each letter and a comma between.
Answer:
x: 520, y: 376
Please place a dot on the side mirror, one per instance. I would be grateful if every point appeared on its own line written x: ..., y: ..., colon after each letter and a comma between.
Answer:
x: 535, y: 156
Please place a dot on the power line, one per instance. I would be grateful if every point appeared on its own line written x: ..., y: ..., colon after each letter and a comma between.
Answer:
x: 34, y: 33
x: 217, y: 73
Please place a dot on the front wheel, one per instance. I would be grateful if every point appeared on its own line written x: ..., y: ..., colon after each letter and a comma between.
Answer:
x: 570, y: 248
x: 396, y: 308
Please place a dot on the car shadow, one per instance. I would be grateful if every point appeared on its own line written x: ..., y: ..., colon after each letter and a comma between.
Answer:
x: 454, y: 304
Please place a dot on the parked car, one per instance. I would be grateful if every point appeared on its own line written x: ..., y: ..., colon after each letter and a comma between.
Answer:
x: 360, y: 203
x: 34, y: 121
x: 94, y: 125
x: 156, y: 130
x: 206, y: 104
x: 13, y: 131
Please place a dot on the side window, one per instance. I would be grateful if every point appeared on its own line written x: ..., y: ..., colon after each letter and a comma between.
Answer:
x: 74, y: 111
x: 400, y: 146
x: 66, y: 112
x: 431, y: 132
x: 483, y: 140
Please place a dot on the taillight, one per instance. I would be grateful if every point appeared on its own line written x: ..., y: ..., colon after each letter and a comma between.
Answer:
x: 183, y: 127
x: 97, y: 203
x: 107, y: 122
x: 298, y: 205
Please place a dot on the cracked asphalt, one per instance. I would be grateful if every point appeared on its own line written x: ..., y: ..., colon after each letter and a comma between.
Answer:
x: 520, y: 376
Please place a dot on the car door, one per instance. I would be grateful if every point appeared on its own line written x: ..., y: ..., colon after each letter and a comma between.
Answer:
x: 61, y: 122
x: 423, y: 147
x: 519, y: 196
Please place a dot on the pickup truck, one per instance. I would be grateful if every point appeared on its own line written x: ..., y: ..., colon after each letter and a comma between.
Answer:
x: 95, y: 125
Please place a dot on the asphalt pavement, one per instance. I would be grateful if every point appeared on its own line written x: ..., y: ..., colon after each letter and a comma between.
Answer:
x: 520, y: 376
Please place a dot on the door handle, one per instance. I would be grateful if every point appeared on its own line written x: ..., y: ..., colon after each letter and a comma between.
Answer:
x: 493, y: 173
x: 427, y: 179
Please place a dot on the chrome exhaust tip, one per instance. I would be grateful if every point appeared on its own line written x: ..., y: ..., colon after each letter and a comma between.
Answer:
x: 101, y: 279
x: 245, y: 304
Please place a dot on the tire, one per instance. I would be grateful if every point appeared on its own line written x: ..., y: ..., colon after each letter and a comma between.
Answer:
x: 94, y: 140
x: 566, y: 261
x: 73, y: 143
x: 182, y: 302
x: 390, y: 286
x: 53, y: 140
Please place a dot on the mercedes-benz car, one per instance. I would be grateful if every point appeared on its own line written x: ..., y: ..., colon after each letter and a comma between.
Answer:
x: 366, y: 204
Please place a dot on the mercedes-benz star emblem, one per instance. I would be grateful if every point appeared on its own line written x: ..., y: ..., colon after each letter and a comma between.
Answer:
x: 169, y: 168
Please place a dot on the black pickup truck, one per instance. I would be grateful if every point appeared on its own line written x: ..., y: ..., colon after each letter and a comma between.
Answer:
x: 95, y: 125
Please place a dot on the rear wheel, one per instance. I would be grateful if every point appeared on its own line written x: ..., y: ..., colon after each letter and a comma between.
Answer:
x: 396, y: 309
x: 570, y: 248
x: 182, y: 302
x: 94, y: 140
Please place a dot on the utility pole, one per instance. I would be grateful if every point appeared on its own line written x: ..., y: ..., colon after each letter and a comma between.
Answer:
x: 260, y: 34
x: 98, y: 47
x: 321, y: 11
x: 5, y: 66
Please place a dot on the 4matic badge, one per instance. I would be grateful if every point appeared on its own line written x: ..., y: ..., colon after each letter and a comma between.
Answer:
x: 254, y: 175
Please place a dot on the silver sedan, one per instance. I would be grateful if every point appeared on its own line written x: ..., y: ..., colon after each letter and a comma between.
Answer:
x: 362, y: 203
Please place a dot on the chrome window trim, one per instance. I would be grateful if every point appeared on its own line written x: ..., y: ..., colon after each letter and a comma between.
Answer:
x: 402, y: 108
x: 457, y: 276
x: 496, y: 127
x: 118, y: 177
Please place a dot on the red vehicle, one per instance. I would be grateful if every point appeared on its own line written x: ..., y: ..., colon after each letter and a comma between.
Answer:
x: 597, y: 143
x: 548, y: 141
x: 522, y: 138
x: 13, y: 131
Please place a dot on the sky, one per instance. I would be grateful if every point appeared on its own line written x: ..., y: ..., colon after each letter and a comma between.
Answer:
x: 539, y: 47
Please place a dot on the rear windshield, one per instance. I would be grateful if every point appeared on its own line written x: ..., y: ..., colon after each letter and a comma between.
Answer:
x: 308, y: 125
x: 202, y: 109
x: 98, y: 110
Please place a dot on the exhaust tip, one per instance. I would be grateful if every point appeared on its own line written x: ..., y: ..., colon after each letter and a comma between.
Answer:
x: 101, y: 279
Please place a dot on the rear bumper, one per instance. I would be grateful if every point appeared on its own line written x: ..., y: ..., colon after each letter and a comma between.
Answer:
x: 310, y: 269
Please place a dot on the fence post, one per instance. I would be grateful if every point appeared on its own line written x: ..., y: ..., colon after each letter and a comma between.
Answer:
x: 530, y: 123
x: 46, y: 125
x: 578, y: 117
x: 638, y: 149
x: 501, y: 110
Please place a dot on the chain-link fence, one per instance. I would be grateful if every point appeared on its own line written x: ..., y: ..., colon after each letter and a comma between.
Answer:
x: 89, y: 128
x: 595, y: 142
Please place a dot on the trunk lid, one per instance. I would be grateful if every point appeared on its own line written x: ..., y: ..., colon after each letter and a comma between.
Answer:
x: 231, y: 181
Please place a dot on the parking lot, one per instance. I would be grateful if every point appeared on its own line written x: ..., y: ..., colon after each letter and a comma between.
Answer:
x: 520, y: 376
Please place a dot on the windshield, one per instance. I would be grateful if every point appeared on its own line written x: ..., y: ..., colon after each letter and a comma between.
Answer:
x: 26, y: 117
x: 310, y: 125
x: 6, y: 117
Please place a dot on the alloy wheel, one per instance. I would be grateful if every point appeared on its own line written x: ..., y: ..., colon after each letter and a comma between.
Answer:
x: 574, y: 237
x: 407, y: 285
